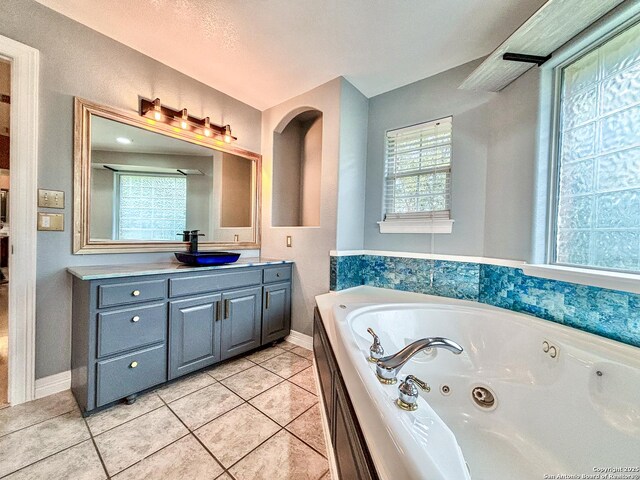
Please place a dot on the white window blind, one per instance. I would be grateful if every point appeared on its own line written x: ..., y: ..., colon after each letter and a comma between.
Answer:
x: 418, y: 172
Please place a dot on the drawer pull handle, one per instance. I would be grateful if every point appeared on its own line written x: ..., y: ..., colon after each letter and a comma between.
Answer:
x: 133, y: 364
x: 266, y: 301
x: 136, y: 293
x: 135, y: 319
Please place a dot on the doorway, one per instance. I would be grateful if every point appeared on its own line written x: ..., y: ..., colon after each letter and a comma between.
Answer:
x: 5, y: 122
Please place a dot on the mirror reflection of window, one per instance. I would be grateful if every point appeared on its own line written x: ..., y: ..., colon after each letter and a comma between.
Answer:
x: 150, y: 207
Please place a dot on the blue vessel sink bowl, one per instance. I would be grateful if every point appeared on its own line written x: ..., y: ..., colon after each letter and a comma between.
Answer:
x: 207, y: 258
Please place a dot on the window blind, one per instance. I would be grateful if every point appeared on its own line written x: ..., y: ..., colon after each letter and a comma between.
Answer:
x: 418, y: 171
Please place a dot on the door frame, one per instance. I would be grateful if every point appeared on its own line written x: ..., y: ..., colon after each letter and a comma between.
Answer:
x: 23, y: 177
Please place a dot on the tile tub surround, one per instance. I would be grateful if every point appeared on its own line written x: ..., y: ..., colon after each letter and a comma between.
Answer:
x: 219, y: 423
x: 609, y: 313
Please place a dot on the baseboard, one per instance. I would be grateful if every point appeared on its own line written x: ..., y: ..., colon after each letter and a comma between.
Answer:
x: 53, y: 384
x: 300, y: 339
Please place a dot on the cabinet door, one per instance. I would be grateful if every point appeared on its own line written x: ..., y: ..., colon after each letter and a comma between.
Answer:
x: 325, y: 365
x: 241, y: 323
x: 276, y: 312
x: 194, y: 334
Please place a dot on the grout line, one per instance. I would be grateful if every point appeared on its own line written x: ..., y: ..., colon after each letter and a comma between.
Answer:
x: 324, y: 455
x: 38, y: 423
x: 44, y: 458
x: 95, y: 446
x: 192, y: 433
x: 126, y: 421
x: 259, y: 445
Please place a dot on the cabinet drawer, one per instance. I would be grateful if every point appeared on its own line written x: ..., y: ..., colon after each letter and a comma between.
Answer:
x: 182, y: 286
x: 122, y: 330
x: 121, y: 376
x: 278, y: 274
x: 131, y: 292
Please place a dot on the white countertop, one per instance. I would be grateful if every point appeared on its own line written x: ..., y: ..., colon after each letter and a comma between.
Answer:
x: 97, y: 272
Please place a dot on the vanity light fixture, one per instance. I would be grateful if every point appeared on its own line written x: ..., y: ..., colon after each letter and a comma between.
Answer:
x: 154, y: 110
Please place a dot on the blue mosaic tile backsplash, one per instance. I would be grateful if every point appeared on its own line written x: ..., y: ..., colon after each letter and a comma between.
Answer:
x: 609, y: 313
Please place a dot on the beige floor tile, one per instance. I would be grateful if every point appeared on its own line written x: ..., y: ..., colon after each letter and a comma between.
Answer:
x: 265, y: 354
x: 326, y: 476
x: 234, y: 434
x: 184, y: 386
x: 78, y: 463
x: 121, y: 413
x: 286, y: 365
x: 202, y: 406
x: 226, y: 476
x: 30, y: 413
x: 284, y: 402
x: 130, y: 442
x: 308, y: 428
x: 251, y: 382
x: 287, y: 345
x: 184, y: 459
x: 303, y: 352
x: 232, y: 367
x: 305, y: 379
x: 282, y: 457
x: 26, y: 446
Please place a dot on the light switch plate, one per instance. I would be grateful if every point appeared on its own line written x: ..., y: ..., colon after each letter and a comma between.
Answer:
x: 50, y: 198
x: 51, y: 222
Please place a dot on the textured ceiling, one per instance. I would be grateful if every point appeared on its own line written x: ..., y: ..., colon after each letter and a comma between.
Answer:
x: 266, y: 51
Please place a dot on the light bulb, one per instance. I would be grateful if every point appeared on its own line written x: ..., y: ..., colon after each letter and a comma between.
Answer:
x: 185, y: 118
x: 207, y: 127
x: 227, y: 134
x: 157, y: 110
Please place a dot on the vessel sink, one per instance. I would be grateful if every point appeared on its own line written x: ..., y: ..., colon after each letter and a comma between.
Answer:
x: 207, y: 258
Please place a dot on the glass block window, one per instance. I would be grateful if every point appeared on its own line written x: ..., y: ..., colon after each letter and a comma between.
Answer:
x: 151, y: 207
x: 598, y: 205
x: 418, y: 171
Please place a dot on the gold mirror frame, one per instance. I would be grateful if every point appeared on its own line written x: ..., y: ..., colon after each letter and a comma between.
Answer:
x: 82, y: 243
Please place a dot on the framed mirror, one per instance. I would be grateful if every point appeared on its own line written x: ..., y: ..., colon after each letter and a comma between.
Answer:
x: 138, y: 183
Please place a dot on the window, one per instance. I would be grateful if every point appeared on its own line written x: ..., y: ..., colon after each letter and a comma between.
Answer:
x: 150, y: 207
x: 597, y: 212
x: 418, y: 177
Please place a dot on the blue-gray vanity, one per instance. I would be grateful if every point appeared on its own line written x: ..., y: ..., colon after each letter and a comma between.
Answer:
x: 137, y: 326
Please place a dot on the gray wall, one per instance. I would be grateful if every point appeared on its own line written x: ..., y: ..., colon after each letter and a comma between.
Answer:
x: 493, y: 159
x: 429, y: 99
x: 75, y: 60
x: 354, y: 109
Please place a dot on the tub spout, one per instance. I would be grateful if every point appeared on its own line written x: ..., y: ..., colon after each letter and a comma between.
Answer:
x: 387, y: 368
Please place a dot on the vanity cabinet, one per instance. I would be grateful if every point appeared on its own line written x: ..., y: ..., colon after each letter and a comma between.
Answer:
x: 350, y: 449
x: 133, y: 332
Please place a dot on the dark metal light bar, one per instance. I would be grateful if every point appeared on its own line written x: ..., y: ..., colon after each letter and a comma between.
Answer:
x: 522, y: 57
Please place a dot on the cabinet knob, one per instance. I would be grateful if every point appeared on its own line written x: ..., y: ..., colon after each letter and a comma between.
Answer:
x: 135, y: 319
x: 278, y: 275
x: 133, y: 364
x: 136, y: 293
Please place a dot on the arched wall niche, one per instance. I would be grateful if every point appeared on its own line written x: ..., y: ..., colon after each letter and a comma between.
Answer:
x: 297, y: 168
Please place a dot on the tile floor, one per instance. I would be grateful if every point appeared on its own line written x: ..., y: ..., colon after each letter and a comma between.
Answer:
x: 252, y: 418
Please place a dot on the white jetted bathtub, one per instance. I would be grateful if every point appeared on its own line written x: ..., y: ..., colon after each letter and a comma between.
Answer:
x: 575, y: 414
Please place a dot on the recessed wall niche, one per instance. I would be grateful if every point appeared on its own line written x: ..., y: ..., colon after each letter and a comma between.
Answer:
x: 297, y: 166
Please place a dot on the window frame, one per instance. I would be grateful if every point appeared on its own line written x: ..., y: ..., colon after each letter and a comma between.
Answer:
x: 417, y: 222
x: 116, y: 196
x: 580, y: 47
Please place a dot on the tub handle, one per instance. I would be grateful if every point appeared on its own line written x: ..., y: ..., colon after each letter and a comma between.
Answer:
x: 375, y: 351
x: 408, y: 392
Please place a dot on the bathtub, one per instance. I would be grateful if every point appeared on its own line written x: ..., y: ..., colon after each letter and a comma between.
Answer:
x: 575, y: 414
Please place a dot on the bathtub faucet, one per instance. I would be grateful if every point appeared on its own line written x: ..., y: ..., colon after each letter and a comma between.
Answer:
x: 387, y: 368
